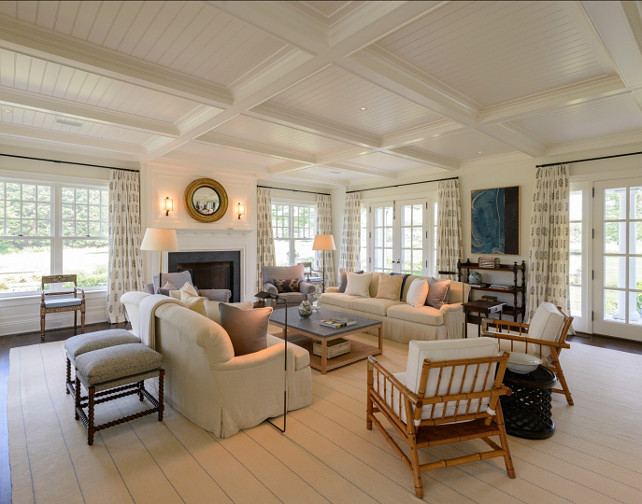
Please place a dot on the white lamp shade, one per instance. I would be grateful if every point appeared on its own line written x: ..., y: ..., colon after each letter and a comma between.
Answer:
x: 160, y: 239
x: 323, y: 242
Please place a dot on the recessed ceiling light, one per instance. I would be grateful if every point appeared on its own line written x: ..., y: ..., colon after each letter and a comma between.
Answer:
x: 363, y: 108
x: 479, y: 152
x: 68, y: 122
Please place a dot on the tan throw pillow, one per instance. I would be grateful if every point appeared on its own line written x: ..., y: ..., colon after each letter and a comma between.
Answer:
x: 247, y: 328
x: 194, y: 303
x: 417, y: 292
x: 438, y: 293
x: 188, y: 288
x: 213, y: 311
x: 358, y: 285
x: 389, y: 287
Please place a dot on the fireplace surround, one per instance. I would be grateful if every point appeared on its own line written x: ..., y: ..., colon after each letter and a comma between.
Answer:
x: 215, y: 269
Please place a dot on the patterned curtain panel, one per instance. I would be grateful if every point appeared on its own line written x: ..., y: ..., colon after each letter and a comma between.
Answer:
x: 324, y: 226
x: 264, y: 238
x: 548, y: 253
x: 449, y: 249
x: 125, y: 263
x: 349, y: 256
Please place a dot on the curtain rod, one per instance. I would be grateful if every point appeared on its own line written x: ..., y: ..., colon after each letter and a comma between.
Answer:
x: 589, y: 159
x: 401, y: 185
x: 67, y: 162
x: 293, y: 190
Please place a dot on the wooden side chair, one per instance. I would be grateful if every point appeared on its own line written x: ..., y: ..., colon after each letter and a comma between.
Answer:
x: 544, y: 337
x: 449, y: 393
x: 65, y: 299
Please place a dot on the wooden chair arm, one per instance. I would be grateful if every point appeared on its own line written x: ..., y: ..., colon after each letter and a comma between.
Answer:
x: 508, y: 324
x: 525, y: 339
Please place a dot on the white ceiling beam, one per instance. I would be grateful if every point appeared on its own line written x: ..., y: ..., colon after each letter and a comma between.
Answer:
x: 415, y: 154
x: 33, y: 40
x: 56, y: 137
x: 373, y: 172
x: 618, y: 26
x: 50, y: 104
x: 290, y: 117
x: 341, y: 153
x: 579, y: 92
x: 288, y: 167
x: 419, y: 133
x: 254, y: 147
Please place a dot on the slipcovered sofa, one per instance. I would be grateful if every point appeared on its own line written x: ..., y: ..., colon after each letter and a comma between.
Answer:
x: 206, y: 382
x: 401, y: 321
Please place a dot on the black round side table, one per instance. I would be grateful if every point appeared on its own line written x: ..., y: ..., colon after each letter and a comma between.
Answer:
x: 527, y: 411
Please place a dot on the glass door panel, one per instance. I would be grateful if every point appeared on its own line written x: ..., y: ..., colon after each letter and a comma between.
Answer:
x: 383, y: 242
x: 618, y: 210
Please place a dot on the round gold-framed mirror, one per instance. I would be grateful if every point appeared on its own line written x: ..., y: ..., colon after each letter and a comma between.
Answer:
x: 205, y: 200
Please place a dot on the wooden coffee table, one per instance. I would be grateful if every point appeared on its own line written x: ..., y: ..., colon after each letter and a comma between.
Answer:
x: 305, y: 331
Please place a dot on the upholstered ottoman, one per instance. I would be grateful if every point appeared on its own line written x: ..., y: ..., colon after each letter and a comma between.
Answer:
x: 112, y: 372
x: 83, y: 343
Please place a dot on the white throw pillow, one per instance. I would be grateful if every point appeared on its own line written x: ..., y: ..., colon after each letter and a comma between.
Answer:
x: 417, y: 292
x: 188, y: 289
x: 358, y: 285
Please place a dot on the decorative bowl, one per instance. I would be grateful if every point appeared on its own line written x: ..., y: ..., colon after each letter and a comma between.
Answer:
x: 522, y: 363
x: 305, y: 309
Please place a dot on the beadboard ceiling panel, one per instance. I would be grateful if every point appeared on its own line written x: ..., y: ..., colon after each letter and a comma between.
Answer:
x: 34, y: 119
x: 45, y: 78
x: 329, y: 93
x: 464, y: 45
x: 618, y: 114
x: 338, y: 95
x: 278, y: 135
x: 463, y: 144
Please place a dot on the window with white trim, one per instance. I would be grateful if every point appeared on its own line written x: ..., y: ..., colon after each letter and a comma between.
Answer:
x: 52, y: 228
x: 294, y: 229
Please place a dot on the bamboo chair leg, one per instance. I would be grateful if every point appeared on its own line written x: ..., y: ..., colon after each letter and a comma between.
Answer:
x: 560, y: 376
x: 503, y: 440
x: 416, y: 469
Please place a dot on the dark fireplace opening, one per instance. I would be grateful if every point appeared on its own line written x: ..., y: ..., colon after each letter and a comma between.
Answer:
x: 210, y: 270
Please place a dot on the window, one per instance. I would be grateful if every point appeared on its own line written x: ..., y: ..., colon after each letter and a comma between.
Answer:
x: 575, y: 253
x: 294, y: 229
x: 52, y: 228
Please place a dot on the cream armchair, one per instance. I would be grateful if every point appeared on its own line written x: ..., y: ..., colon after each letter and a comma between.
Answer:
x: 209, y: 385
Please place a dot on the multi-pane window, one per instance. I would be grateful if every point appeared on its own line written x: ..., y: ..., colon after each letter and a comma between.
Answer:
x: 52, y: 228
x: 363, y: 253
x: 294, y: 228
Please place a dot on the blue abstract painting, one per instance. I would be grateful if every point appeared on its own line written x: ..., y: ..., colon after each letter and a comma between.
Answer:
x: 495, y: 221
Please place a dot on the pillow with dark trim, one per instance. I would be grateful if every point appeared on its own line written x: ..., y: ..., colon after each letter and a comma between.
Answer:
x: 290, y: 285
x: 437, y: 293
x: 247, y: 328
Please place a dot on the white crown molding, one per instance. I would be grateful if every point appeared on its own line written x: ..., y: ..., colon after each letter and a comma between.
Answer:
x: 38, y: 42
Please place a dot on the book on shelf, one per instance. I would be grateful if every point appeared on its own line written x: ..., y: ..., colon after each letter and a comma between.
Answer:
x: 337, y: 323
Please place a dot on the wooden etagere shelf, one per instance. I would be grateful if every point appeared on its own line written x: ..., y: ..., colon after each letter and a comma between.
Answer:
x: 517, y: 287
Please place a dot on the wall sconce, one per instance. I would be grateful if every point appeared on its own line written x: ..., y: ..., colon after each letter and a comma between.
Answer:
x: 167, y: 205
x: 240, y: 209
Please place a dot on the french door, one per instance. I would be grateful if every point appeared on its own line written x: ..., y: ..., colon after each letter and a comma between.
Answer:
x: 399, y: 236
x: 617, y: 264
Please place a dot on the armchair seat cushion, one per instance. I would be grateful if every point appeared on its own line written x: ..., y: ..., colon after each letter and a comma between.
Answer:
x: 62, y: 302
x: 419, y: 314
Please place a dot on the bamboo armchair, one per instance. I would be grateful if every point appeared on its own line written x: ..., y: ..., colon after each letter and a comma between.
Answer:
x: 543, y: 338
x: 61, y: 301
x: 448, y: 401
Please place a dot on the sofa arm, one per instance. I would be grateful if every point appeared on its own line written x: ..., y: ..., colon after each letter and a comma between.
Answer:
x: 332, y: 289
x: 454, y: 318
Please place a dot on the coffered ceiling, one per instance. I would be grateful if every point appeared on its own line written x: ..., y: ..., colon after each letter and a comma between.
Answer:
x: 330, y: 92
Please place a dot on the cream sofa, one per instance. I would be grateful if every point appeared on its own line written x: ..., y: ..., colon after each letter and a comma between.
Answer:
x: 401, y: 321
x: 209, y: 385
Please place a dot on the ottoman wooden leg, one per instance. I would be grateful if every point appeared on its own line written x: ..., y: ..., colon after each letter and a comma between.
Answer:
x: 161, y: 403
x: 90, y: 428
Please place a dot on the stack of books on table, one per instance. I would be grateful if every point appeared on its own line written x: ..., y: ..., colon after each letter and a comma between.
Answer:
x: 337, y: 323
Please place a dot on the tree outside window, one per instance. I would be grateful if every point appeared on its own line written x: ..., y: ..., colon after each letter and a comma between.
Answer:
x: 294, y: 228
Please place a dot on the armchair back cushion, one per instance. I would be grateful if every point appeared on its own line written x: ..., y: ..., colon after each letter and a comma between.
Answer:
x: 442, y: 350
x: 546, y: 324
x: 247, y: 328
x: 176, y: 278
x: 271, y: 273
